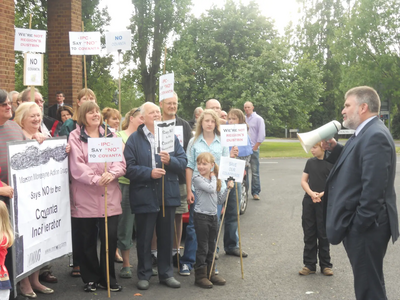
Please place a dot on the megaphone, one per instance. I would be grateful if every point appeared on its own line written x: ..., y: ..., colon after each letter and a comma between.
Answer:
x: 325, y: 132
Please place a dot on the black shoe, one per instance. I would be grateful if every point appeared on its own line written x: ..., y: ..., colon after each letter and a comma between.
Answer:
x: 175, y: 260
x: 90, y: 287
x: 113, y: 287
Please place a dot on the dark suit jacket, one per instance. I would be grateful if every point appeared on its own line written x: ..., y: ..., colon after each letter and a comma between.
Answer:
x: 52, y: 113
x: 360, y: 185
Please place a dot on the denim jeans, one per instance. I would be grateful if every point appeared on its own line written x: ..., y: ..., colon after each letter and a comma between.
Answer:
x: 189, y: 254
x: 206, y: 231
x: 255, y: 173
x: 231, y: 225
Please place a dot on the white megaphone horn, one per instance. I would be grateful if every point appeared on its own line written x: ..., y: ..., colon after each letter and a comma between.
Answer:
x: 325, y: 132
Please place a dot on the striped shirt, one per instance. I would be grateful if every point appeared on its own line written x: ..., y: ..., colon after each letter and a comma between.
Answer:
x: 150, y: 138
x: 9, y: 132
x: 207, y: 196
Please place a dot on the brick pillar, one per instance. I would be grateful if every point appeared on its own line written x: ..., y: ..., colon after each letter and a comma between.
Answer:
x: 7, y: 56
x: 64, y: 70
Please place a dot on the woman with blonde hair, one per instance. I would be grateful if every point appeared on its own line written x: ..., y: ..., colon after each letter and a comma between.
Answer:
x: 126, y: 221
x: 113, y: 118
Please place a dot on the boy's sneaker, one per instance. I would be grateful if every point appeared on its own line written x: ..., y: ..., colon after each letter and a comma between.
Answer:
x: 113, y: 287
x: 184, y: 271
x: 306, y: 271
x: 90, y: 287
x: 216, y: 271
x: 327, y: 272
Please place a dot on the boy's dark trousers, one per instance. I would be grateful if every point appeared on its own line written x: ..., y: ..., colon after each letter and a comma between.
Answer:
x: 315, y: 240
x: 206, y: 227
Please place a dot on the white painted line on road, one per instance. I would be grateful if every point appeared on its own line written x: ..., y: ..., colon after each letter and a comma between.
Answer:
x: 268, y: 162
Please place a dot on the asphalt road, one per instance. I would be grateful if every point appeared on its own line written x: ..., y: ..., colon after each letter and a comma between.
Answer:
x: 273, y: 237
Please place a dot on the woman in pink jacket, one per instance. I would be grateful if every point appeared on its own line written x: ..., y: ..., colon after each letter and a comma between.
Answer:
x: 87, y: 202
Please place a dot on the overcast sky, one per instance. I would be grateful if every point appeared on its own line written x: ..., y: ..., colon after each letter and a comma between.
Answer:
x: 282, y: 11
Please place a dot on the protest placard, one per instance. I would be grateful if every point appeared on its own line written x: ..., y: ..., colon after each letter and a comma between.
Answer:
x: 30, y: 40
x: 33, y: 69
x: 120, y: 40
x: 105, y: 150
x: 230, y: 167
x: 179, y: 134
x: 166, y: 86
x: 234, y: 135
x: 40, y: 209
x: 164, y: 136
x: 84, y: 43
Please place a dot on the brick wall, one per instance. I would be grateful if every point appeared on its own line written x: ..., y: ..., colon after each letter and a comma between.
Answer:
x: 64, y: 70
x: 7, y: 61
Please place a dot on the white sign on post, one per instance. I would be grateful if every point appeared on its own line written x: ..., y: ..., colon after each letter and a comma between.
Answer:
x: 179, y: 134
x: 164, y: 136
x: 84, y: 43
x: 30, y: 40
x: 118, y: 41
x: 33, y: 69
x: 230, y: 167
x: 40, y: 208
x: 104, y: 150
x: 166, y: 85
x: 234, y: 135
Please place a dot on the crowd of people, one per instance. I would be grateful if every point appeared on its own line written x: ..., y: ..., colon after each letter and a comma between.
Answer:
x: 134, y: 187
x: 349, y: 198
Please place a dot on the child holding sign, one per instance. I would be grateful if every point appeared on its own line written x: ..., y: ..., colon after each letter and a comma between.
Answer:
x: 6, y: 240
x: 208, y: 194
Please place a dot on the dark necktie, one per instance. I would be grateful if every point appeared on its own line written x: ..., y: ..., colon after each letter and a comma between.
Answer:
x: 350, y: 140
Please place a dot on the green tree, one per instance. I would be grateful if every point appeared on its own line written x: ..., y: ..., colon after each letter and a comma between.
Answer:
x: 152, y: 23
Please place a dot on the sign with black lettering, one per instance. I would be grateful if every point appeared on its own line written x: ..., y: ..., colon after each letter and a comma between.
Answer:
x: 84, y: 43
x: 33, y: 69
x: 30, y: 40
x: 40, y: 209
x: 164, y: 135
x: 234, y: 135
x: 230, y: 167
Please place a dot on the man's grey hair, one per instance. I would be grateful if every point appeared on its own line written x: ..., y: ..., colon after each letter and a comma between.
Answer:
x: 196, y: 111
x: 366, y: 94
x: 11, y: 94
x: 26, y: 94
x: 143, y: 109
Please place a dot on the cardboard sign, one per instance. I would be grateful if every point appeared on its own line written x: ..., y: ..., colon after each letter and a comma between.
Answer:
x: 40, y: 209
x: 30, y: 40
x: 105, y: 150
x: 33, y: 69
x: 179, y: 134
x: 118, y: 41
x: 164, y: 136
x: 230, y: 167
x: 234, y: 135
x: 166, y: 85
x: 84, y: 43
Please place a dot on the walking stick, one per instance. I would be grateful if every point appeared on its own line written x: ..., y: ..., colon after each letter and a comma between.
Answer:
x: 106, y: 226
x: 238, y: 220
x: 219, y: 232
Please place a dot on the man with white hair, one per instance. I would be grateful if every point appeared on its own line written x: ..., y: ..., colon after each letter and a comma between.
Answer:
x: 145, y: 172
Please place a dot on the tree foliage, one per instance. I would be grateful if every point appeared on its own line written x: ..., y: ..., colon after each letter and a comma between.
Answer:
x: 153, y: 21
x: 234, y: 54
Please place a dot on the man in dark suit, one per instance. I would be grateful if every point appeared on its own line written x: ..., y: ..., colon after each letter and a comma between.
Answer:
x: 60, y: 102
x: 361, y: 202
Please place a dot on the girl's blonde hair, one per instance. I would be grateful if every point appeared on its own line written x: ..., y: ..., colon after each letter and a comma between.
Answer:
x: 199, y: 128
x: 208, y: 157
x: 83, y: 92
x: 132, y: 113
x: 5, y: 225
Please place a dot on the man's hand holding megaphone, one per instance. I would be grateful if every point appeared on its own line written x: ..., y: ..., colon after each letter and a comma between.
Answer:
x: 328, y: 145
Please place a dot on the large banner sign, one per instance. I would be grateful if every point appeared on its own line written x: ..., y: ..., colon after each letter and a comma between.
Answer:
x: 30, y: 40
x: 41, y: 206
x: 84, y: 43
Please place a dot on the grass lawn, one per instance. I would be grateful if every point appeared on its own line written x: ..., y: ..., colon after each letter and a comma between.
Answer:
x: 276, y: 149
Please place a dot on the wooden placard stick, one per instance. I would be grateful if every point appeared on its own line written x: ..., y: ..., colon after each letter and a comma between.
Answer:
x: 106, y: 223
x: 163, y: 179
x: 238, y: 221
x: 84, y: 61
x: 119, y: 82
